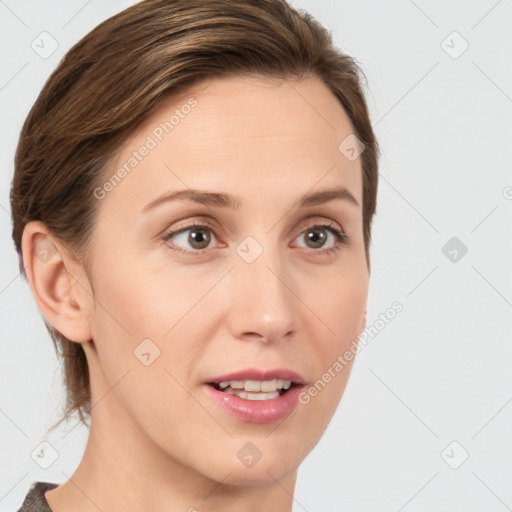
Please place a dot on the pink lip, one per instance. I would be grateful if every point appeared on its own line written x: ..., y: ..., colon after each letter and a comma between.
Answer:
x: 256, y: 374
x: 258, y: 411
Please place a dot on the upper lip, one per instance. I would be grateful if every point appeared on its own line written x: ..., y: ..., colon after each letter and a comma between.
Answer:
x: 259, y: 374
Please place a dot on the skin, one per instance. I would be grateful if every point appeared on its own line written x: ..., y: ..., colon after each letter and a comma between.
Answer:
x: 156, y: 438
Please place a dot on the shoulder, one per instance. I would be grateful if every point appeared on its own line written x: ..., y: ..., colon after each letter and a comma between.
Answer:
x: 34, y: 500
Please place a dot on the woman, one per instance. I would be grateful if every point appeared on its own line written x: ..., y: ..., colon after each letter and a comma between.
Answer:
x: 193, y: 197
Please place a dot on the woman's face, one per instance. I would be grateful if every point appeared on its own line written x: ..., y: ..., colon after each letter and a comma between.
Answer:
x: 234, y: 281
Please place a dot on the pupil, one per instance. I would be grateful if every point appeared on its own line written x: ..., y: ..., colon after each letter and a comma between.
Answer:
x: 199, y: 237
x: 317, y: 237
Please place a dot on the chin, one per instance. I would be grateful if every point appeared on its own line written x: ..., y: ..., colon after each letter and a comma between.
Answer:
x: 257, y: 460
x: 262, y: 473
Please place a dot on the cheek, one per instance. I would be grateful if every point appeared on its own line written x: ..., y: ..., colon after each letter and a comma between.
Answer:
x: 134, y: 302
x: 150, y: 317
x: 340, y: 306
x: 139, y: 324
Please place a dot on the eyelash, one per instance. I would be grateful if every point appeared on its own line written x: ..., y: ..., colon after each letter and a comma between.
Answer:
x: 341, y: 238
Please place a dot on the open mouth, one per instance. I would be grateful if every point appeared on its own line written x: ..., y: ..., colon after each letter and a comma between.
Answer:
x: 254, y: 395
x: 254, y: 389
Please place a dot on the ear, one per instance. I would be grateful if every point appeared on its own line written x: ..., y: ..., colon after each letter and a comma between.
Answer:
x: 59, y: 284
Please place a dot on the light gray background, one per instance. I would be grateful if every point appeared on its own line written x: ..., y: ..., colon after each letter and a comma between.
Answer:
x: 440, y: 371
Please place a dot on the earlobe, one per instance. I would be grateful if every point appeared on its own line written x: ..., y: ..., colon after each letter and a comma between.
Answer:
x: 52, y: 275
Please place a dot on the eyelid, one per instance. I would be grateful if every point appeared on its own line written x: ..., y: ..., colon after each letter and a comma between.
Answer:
x: 192, y: 224
x: 196, y: 223
x: 317, y: 221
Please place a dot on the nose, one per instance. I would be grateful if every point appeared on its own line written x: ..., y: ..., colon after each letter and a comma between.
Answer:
x: 263, y: 305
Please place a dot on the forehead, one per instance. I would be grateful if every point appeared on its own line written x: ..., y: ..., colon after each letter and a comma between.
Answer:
x: 241, y: 133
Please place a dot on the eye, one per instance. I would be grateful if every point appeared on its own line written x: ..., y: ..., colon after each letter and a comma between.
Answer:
x: 198, y: 237
x: 316, y: 237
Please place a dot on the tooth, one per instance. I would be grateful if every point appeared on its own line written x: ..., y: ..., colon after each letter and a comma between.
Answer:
x: 262, y: 396
x: 269, y: 385
x: 252, y: 385
x: 255, y: 389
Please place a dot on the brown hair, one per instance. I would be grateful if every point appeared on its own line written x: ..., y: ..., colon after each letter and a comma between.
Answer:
x: 118, y: 74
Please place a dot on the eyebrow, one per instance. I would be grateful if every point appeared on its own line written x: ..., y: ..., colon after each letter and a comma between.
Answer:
x: 224, y: 200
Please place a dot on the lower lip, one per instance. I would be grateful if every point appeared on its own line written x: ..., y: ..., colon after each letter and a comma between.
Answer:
x: 257, y: 411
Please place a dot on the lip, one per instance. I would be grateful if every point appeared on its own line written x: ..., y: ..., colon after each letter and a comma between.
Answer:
x: 257, y: 411
x: 257, y: 374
